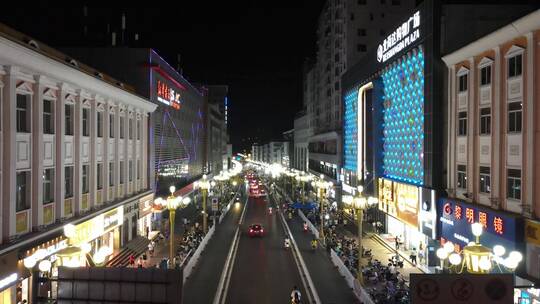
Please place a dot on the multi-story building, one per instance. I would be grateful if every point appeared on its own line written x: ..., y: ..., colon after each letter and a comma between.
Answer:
x: 301, y: 137
x: 287, y: 156
x: 256, y: 152
x: 492, y: 146
x: 177, y: 144
x: 346, y: 30
x: 217, y: 136
x: 74, y: 149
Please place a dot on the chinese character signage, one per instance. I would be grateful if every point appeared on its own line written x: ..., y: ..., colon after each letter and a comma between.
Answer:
x: 403, y: 36
x: 399, y: 200
x: 168, y: 95
x: 455, y: 219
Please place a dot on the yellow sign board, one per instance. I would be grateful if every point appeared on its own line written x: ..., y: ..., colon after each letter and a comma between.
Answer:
x: 399, y: 200
x: 532, y: 232
x: 97, y: 226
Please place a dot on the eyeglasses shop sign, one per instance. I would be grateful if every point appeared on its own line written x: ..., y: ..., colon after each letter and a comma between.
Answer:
x: 402, y: 37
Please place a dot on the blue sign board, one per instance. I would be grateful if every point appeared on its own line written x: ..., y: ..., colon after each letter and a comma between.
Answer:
x: 455, y: 217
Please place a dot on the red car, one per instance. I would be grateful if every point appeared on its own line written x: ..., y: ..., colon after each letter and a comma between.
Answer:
x: 256, y: 230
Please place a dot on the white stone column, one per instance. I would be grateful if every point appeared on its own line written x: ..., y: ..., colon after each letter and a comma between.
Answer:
x: 9, y: 170
x: 37, y: 152
x: 59, y: 129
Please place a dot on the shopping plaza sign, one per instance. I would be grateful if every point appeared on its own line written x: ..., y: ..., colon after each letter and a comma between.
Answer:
x: 455, y: 219
x: 403, y: 36
x: 168, y: 95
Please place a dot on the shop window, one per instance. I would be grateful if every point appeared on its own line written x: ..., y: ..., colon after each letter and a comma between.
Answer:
x: 515, y: 66
x: 462, y: 176
x: 99, y: 171
x: 514, y: 117
x: 23, y: 113
x: 86, y: 122
x: 513, y: 179
x: 485, y: 180
x: 68, y: 181
x: 68, y: 115
x: 48, y: 186
x: 100, y: 124
x: 48, y: 117
x: 485, y: 75
x: 22, y: 193
x: 85, y: 178
x: 485, y: 121
x: 463, y: 82
x: 462, y: 124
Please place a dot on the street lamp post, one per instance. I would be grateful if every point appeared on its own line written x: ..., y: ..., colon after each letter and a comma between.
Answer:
x: 359, y: 204
x: 321, y: 187
x: 171, y: 203
x: 205, y: 186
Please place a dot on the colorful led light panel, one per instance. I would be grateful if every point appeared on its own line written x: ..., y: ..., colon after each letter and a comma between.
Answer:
x: 403, y: 120
x: 351, y: 130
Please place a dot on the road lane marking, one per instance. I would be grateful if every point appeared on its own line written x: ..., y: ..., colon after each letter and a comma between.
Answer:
x: 313, y: 296
x: 224, y: 280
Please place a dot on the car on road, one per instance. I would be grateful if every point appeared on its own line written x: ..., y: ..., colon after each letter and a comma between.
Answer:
x: 255, y: 230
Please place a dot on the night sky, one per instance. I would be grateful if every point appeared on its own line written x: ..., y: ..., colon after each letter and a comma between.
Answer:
x: 255, y: 47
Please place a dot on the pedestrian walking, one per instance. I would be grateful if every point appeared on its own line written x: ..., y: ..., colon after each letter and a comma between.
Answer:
x: 397, y: 242
x: 132, y: 260
x: 147, y: 231
x: 151, y: 248
x: 413, y: 256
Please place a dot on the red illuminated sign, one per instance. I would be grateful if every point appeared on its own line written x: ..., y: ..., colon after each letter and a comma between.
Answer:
x: 469, y: 214
x: 168, y: 96
x: 482, y: 218
x: 498, y: 225
x: 458, y: 212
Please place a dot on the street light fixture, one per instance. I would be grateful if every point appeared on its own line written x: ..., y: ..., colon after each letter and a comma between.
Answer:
x: 171, y: 203
x: 359, y: 203
x: 322, y: 185
x: 205, y: 186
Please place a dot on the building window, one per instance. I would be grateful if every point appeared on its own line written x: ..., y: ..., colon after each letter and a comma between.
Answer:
x: 462, y: 176
x: 514, y: 117
x: 514, y: 66
x: 485, y: 180
x: 85, y: 178
x: 362, y: 2
x: 22, y: 195
x: 361, y: 32
x: 130, y: 171
x: 99, y: 175
x: 352, y: 16
x: 48, y: 186
x: 371, y: 16
x: 361, y: 47
x: 138, y: 169
x: 111, y: 174
x: 122, y: 122
x: 121, y: 172
x: 68, y: 175
x: 138, y: 129
x: 514, y: 184
x: 111, y: 126
x: 383, y: 1
x: 485, y: 75
x: 396, y: 2
x: 130, y: 128
x: 463, y: 82
x: 336, y: 86
x: 23, y: 113
x: 99, y: 124
x: 485, y: 121
x: 86, y: 122
x: 48, y: 114
x: 462, y: 124
x: 69, y: 119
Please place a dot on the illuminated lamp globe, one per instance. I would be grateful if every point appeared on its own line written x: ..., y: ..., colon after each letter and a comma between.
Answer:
x: 510, y: 263
x: 360, y: 189
x: 99, y: 257
x: 498, y: 250
x: 29, y: 262
x: 234, y: 183
x: 516, y: 255
x: 455, y: 259
x: 476, y: 229
x: 69, y: 230
x: 186, y: 200
x: 213, y: 183
x: 204, y: 176
x: 172, y: 189
x: 484, y: 264
x: 449, y: 247
x: 86, y: 248
x: 44, y: 265
x: 327, y: 216
x: 442, y: 254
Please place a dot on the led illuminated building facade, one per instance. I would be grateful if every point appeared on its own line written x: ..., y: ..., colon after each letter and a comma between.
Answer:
x: 391, y: 145
x: 176, y: 146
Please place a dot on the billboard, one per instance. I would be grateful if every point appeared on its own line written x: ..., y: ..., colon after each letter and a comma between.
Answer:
x: 399, y: 200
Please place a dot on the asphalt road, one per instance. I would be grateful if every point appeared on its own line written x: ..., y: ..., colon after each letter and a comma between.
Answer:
x: 264, y: 271
x: 203, y: 282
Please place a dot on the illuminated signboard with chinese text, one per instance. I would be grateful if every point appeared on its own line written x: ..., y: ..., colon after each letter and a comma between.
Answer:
x: 399, y: 200
x: 97, y: 226
x: 403, y: 36
x: 168, y: 95
x: 455, y: 219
